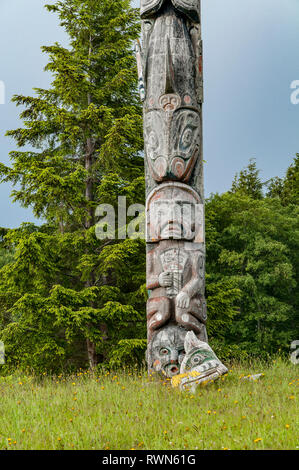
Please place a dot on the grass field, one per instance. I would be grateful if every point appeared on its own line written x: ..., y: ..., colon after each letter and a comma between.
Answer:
x: 128, y: 410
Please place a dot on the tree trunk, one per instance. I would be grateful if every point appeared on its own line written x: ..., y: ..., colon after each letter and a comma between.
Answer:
x: 91, y: 347
x: 92, y: 356
x: 89, y: 222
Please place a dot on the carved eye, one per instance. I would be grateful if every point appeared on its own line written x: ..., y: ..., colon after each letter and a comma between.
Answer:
x: 197, y: 359
x: 152, y: 140
x: 187, y: 137
x: 147, y: 25
x: 174, y: 101
x: 163, y: 351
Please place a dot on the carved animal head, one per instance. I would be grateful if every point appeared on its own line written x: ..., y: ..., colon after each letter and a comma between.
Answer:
x: 166, y: 351
x: 199, y: 365
x: 172, y: 141
x: 172, y: 114
x: 198, y: 354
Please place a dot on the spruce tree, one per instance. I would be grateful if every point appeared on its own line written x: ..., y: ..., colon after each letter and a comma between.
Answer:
x: 287, y: 188
x: 290, y: 193
x: 248, y: 182
x: 75, y: 134
x: 252, y: 245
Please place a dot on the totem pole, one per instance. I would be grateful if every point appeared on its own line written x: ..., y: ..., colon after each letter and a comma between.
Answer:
x: 171, y: 88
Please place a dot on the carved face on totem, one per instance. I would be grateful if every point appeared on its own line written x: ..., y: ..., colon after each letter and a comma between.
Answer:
x: 174, y: 211
x: 166, y: 351
x: 172, y: 140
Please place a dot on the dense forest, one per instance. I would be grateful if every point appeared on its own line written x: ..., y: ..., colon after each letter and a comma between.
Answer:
x: 70, y: 300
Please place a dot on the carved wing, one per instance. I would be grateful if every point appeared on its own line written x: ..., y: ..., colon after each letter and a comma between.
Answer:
x: 148, y: 7
x: 190, y: 8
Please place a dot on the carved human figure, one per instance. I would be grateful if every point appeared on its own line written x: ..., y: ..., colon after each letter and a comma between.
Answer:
x: 176, y: 264
x: 175, y: 278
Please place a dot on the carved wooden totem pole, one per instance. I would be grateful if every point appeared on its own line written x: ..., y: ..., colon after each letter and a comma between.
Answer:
x: 171, y: 88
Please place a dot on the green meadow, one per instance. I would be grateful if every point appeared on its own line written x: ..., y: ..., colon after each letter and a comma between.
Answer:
x: 129, y: 410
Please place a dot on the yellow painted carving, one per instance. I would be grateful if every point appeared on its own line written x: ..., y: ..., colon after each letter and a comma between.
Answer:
x: 177, y: 379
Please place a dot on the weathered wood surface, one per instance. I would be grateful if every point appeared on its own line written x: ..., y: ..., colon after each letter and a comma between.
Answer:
x: 171, y: 88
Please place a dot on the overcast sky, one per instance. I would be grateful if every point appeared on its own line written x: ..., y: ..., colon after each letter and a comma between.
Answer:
x: 251, y: 57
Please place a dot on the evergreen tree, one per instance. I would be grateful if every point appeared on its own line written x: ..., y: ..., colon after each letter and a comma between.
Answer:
x: 6, y: 254
x: 252, y: 244
x: 86, y: 126
x: 291, y: 183
x: 287, y: 189
x: 248, y: 182
x: 275, y: 187
x: 67, y: 297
